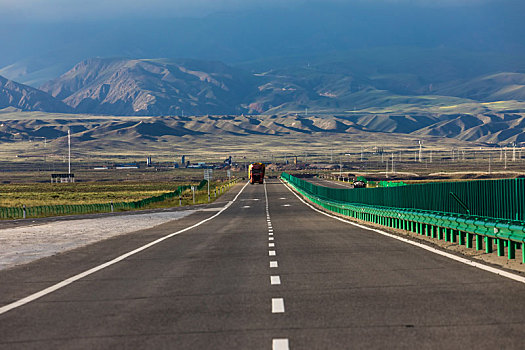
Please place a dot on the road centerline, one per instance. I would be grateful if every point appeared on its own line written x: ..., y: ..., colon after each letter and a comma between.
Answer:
x: 277, y: 305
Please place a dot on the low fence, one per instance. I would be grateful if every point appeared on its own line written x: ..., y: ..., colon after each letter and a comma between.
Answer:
x: 451, y: 226
x: 55, y: 210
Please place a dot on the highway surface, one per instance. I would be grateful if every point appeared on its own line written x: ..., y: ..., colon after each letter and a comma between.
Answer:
x: 266, y: 272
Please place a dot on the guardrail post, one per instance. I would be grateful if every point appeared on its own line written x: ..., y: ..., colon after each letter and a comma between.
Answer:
x: 523, y: 253
x: 479, y: 242
x: 440, y: 232
x: 511, y: 250
x: 447, y: 234
x: 454, y: 237
x: 25, y: 212
x: 469, y: 240
x: 501, y: 246
x: 461, y: 238
x: 112, y: 209
x: 488, y: 244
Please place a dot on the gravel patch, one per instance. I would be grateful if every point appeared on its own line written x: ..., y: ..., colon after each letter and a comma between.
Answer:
x: 21, y: 245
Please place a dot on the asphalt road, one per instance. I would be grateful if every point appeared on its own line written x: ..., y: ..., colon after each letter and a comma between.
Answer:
x: 324, y: 284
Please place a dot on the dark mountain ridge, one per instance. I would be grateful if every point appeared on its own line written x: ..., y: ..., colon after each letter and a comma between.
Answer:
x: 26, y: 98
x: 152, y: 87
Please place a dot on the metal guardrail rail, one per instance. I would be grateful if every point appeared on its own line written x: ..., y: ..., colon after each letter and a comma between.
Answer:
x: 452, y: 227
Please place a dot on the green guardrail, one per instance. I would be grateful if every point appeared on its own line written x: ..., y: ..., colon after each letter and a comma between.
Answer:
x: 451, y: 227
x: 54, y: 210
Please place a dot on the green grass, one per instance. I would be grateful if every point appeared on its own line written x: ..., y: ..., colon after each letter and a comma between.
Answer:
x: 13, y: 195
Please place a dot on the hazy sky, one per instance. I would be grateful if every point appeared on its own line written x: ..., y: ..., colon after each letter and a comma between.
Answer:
x: 104, y: 9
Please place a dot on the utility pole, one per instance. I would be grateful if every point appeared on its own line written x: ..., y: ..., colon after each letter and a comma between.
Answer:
x: 69, y: 149
x: 420, y: 151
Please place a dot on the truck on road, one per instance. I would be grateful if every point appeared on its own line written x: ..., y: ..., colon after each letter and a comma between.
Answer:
x: 256, y: 173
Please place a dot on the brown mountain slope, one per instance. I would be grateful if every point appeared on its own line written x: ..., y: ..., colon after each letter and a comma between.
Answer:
x: 26, y: 98
x: 491, y: 128
x: 151, y: 87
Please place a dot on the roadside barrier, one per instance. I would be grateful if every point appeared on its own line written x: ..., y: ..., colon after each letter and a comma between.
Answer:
x: 54, y: 210
x: 463, y: 229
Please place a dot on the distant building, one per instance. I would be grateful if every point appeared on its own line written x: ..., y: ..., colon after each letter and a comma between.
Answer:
x: 62, y: 178
x: 126, y: 166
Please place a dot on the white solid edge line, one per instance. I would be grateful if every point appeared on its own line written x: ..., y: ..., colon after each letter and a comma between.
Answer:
x: 280, y: 344
x: 81, y: 275
x: 494, y: 270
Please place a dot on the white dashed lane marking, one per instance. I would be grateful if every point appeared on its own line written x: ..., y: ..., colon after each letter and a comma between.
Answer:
x: 275, y: 280
x: 277, y: 305
x: 280, y: 344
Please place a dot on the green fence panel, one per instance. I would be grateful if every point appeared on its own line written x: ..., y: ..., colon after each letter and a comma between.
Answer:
x: 499, y: 199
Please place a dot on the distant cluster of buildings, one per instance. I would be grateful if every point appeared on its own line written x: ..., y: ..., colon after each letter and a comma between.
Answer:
x: 184, y: 163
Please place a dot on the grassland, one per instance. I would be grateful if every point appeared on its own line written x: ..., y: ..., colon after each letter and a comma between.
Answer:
x: 12, y: 195
x: 16, y: 195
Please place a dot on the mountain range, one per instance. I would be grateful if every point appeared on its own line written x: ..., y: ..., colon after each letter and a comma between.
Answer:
x: 151, y: 87
x: 326, y: 85
x: 96, y: 131
x: 26, y: 98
